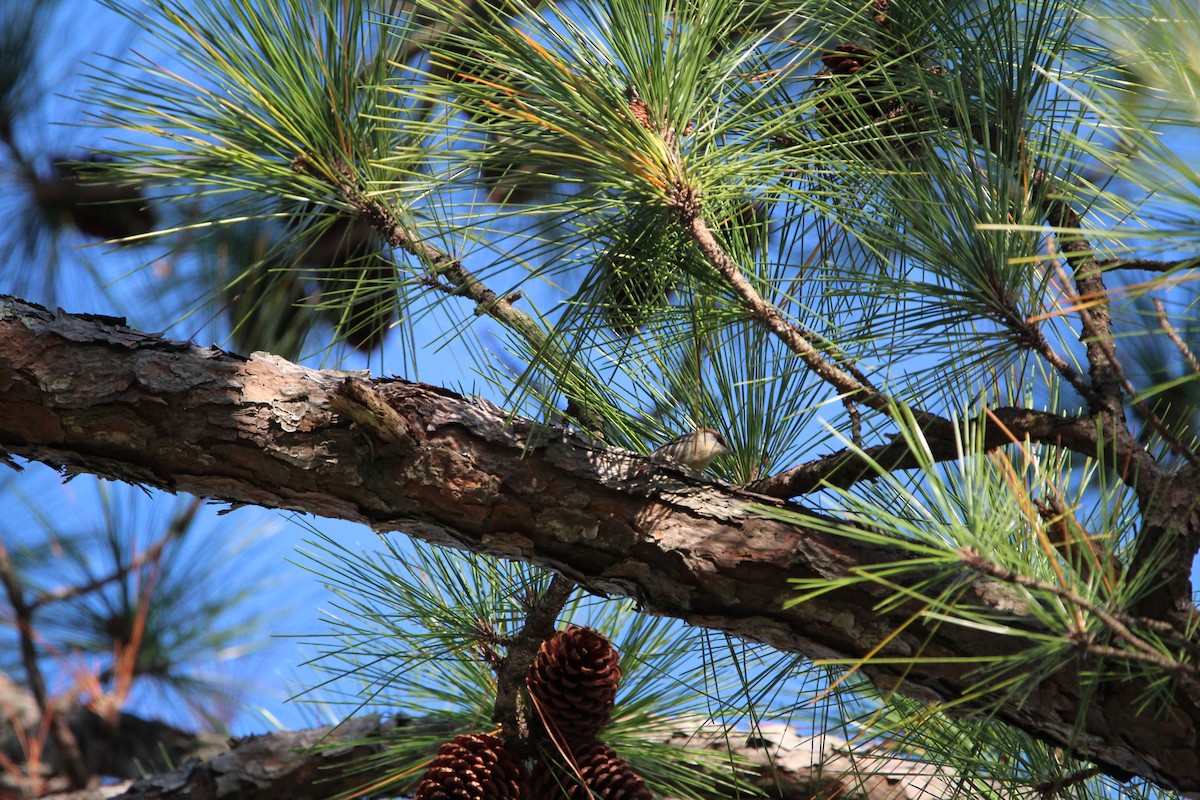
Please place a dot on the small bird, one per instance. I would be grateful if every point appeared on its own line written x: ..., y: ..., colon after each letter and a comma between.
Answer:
x: 693, y: 451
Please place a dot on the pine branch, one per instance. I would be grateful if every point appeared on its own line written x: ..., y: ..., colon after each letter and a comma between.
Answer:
x: 444, y: 267
x: 313, y: 764
x: 1118, y: 624
x: 126, y: 747
x: 1163, y: 322
x: 260, y: 430
x: 1095, y: 314
x: 856, y: 386
x: 859, y: 388
x: 329, y: 761
x: 522, y: 650
x: 1147, y: 264
x: 177, y: 528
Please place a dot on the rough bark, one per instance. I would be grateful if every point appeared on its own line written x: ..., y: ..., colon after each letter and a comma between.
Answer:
x: 88, y: 394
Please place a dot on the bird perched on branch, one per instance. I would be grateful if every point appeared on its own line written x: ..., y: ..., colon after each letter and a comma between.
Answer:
x: 694, y: 451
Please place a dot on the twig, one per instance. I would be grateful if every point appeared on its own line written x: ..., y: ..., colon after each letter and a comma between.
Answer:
x: 855, y: 420
x: 1076, y: 551
x: 522, y: 649
x: 1113, y: 620
x: 1034, y: 338
x: 444, y: 267
x: 1175, y: 338
x: 60, y: 731
x: 1108, y: 376
x: 1056, y: 786
x: 1155, y: 659
x: 177, y: 528
x: 1006, y: 426
x: 1147, y: 264
x: 1089, y: 281
x: 1152, y: 419
x: 848, y: 381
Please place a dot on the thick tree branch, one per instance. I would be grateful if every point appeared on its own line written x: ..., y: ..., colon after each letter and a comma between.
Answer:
x: 88, y: 394
x: 321, y: 762
x: 313, y: 764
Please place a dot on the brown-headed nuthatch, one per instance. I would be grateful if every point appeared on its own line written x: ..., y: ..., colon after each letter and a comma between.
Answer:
x: 694, y: 450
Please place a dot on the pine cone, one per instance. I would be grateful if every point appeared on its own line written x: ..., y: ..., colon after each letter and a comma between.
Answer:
x: 474, y: 766
x: 864, y: 100
x: 846, y: 59
x: 638, y: 108
x: 573, y: 683
x: 881, y: 17
x: 604, y: 775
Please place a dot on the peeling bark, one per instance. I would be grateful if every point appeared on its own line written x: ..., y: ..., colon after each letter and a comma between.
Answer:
x: 88, y: 394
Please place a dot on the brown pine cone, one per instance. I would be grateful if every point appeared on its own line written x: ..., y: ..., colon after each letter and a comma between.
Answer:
x: 846, y: 59
x: 638, y: 108
x: 573, y: 683
x: 604, y: 776
x: 474, y: 766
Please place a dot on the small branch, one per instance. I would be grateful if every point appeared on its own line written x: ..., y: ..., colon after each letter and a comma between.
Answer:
x: 847, y: 467
x: 449, y: 275
x: 442, y: 265
x: 1108, y: 377
x: 1154, y: 659
x: 64, y: 739
x: 1055, y: 787
x: 1114, y: 621
x: 1032, y: 336
x: 510, y: 679
x: 1147, y: 264
x: 1076, y: 551
x: 855, y: 421
x: 177, y: 528
x: 1176, y: 339
x: 1089, y: 282
x: 847, y: 381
